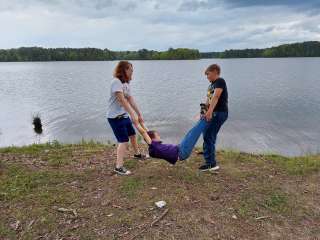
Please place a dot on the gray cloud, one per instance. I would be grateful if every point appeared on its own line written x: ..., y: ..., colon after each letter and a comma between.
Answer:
x: 194, y: 5
x: 154, y: 24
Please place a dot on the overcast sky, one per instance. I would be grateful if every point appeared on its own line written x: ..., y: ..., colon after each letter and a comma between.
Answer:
x: 208, y: 25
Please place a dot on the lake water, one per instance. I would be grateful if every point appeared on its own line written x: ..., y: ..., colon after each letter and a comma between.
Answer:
x: 274, y: 103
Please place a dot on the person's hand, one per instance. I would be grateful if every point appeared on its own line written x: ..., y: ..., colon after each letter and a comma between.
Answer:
x: 208, y: 116
x: 140, y: 119
x: 134, y: 120
x: 198, y: 117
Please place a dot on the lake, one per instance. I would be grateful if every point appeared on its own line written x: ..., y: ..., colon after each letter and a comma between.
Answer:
x: 274, y: 104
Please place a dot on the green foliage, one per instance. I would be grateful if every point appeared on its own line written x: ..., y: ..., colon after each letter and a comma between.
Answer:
x: 305, y: 49
x: 26, y: 54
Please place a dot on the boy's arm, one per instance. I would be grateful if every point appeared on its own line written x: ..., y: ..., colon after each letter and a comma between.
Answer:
x: 213, y: 103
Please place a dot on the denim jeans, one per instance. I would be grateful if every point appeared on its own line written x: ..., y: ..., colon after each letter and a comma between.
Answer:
x: 210, y: 137
x: 190, y: 140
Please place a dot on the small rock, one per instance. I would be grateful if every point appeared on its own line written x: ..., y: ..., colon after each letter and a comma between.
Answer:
x: 160, y: 204
x: 234, y: 216
x: 110, y: 215
x: 15, y: 226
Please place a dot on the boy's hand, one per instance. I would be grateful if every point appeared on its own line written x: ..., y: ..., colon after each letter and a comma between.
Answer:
x: 208, y: 116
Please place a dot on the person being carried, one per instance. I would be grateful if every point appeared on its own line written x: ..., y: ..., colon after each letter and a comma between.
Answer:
x: 170, y: 152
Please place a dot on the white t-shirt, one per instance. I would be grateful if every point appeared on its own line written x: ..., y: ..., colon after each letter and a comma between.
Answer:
x: 114, y: 108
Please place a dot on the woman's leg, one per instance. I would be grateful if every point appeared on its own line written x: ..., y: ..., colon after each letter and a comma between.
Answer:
x: 134, y: 144
x: 121, y: 153
x: 190, y: 140
x: 119, y: 129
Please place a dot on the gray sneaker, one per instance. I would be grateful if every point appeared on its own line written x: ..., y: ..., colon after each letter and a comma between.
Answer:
x: 122, y: 171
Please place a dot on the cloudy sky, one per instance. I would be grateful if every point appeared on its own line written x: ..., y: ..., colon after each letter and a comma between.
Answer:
x: 208, y: 25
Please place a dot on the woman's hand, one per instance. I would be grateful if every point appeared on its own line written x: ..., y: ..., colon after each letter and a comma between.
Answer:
x: 134, y: 120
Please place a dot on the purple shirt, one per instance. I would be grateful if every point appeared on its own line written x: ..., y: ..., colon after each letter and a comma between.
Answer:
x: 167, y: 152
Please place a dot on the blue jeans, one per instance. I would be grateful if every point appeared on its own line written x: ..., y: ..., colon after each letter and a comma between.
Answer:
x: 210, y: 137
x: 191, y: 138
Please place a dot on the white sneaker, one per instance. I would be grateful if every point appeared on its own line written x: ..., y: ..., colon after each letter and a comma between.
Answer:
x: 216, y: 168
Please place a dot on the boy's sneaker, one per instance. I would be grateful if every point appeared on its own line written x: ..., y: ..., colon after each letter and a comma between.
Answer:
x: 209, y: 167
x: 122, y: 171
x: 140, y: 156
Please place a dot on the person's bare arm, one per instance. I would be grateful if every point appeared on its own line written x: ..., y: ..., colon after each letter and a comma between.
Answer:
x: 125, y: 104
x: 134, y: 105
x: 213, y: 103
x: 143, y: 132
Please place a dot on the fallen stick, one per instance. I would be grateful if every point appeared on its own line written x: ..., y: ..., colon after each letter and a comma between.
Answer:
x: 151, y: 224
x: 261, y: 218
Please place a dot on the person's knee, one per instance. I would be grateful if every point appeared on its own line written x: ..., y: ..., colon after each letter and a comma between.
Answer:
x: 123, y: 145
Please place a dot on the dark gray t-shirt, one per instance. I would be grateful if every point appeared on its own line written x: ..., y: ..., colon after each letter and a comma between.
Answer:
x: 114, y: 108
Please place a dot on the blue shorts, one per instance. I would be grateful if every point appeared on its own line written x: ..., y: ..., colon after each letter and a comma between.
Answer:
x: 122, y: 128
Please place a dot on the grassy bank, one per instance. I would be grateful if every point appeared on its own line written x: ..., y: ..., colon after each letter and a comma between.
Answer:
x: 56, y: 191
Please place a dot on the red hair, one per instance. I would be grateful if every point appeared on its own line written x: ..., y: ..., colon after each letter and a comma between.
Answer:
x: 120, y: 71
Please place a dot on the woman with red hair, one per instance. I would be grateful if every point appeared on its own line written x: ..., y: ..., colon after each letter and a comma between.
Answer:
x: 121, y: 106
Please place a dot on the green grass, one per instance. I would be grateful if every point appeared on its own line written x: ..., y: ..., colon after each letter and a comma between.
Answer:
x: 32, y: 149
x: 5, y: 231
x: 130, y: 186
x: 277, y: 202
x: 20, y: 183
x: 297, y: 165
x: 36, y: 179
x: 35, y: 149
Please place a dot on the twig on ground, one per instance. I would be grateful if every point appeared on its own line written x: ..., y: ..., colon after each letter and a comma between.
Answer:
x: 263, y: 217
x: 151, y: 224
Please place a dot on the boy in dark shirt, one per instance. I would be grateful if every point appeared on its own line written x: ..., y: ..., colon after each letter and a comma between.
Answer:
x: 217, y: 114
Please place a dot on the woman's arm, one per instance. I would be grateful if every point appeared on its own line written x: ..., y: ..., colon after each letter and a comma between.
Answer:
x: 143, y: 132
x: 134, y: 105
x: 128, y: 107
x: 125, y: 104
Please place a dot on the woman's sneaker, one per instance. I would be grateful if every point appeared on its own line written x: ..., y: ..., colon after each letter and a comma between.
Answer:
x: 122, y: 171
x: 209, y: 167
x: 140, y: 156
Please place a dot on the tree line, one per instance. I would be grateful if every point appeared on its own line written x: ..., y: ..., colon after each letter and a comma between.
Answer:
x: 305, y: 49
x: 25, y: 54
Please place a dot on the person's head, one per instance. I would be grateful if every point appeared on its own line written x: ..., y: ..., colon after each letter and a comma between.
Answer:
x: 154, y: 135
x: 213, y: 72
x: 123, y: 71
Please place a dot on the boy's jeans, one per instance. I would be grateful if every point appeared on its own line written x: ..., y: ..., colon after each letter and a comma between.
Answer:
x: 210, y: 136
x: 191, y: 138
